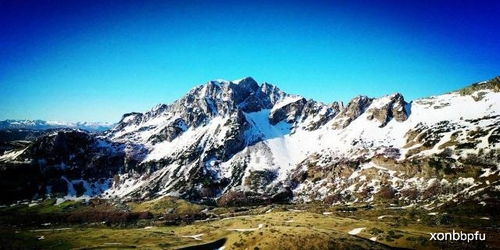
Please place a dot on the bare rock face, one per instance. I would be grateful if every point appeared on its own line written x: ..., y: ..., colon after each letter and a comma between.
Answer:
x: 245, y: 87
x: 309, y: 114
x: 234, y: 136
x: 289, y: 112
x: 253, y: 104
x: 263, y: 97
x: 128, y: 119
x: 355, y: 108
x: 401, y: 109
x: 170, y: 132
x: 315, y: 114
x: 391, y: 107
x: 270, y: 94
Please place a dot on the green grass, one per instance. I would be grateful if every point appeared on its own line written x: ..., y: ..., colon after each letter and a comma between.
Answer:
x: 301, y: 226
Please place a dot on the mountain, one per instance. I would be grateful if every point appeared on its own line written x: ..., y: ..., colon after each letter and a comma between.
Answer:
x: 240, y: 141
x: 45, y: 125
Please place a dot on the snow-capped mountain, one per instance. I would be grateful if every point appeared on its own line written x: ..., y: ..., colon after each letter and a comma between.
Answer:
x: 240, y: 136
x: 45, y: 125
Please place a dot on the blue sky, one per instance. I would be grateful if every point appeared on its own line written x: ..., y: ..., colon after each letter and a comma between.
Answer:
x: 95, y: 60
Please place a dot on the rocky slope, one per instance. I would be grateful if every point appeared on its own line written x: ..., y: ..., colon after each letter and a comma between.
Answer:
x: 241, y: 139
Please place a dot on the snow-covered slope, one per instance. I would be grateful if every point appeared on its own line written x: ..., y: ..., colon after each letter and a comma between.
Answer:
x: 229, y: 136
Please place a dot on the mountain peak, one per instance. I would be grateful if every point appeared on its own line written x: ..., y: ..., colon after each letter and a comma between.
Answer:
x: 244, y: 79
x: 247, y: 83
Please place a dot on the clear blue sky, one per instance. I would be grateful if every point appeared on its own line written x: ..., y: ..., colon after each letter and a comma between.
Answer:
x: 95, y: 60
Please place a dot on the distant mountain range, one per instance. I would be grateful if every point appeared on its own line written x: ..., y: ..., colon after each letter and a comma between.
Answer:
x: 44, y: 125
x: 252, y: 143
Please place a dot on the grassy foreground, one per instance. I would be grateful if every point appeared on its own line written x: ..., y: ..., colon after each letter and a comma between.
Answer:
x: 311, y: 226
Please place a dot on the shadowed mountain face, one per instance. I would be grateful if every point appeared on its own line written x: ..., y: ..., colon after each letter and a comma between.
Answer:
x: 240, y: 141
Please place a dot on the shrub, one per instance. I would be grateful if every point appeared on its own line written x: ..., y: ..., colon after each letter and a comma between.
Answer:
x: 240, y: 198
x: 386, y: 192
x: 145, y: 215
x: 232, y: 198
x: 409, y: 193
x: 331, y: 199
x: 432, y: 190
